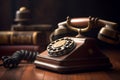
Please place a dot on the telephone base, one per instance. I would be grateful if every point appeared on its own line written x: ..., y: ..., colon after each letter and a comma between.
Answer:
x: 86, y: 56
x: 74, y: 68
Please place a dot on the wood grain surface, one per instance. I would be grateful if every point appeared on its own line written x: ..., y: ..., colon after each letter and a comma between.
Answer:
x: 30, y: 72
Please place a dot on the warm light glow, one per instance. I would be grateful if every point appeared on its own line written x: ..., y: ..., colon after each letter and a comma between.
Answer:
x: 46, y: 64
x: 80, y: 20
x: 22, y: 8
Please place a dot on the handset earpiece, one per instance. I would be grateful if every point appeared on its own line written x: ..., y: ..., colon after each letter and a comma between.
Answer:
x: 59, y: 32
x: 109, y: 34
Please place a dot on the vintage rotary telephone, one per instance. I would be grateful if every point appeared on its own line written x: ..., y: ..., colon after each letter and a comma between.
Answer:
x: 68, y: 54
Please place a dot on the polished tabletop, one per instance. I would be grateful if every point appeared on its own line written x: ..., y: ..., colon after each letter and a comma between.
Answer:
x: 30, y: 72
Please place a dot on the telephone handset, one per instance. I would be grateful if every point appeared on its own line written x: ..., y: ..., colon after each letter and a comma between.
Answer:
x: 104, y: 30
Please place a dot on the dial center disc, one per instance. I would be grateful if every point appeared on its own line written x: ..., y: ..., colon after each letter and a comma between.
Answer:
x: 59, y: 43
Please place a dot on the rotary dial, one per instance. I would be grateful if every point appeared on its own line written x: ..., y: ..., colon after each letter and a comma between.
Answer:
x: 60, y: 47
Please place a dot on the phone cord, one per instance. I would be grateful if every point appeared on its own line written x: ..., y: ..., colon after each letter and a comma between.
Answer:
x: 15, y: 59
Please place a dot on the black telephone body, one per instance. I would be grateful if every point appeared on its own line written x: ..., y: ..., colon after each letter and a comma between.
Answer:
x: 70, y: 54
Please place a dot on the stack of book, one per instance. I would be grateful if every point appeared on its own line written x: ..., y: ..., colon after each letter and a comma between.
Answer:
x: 24, y: 36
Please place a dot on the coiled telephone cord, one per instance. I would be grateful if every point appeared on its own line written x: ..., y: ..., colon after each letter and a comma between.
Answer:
x: 15, y: 59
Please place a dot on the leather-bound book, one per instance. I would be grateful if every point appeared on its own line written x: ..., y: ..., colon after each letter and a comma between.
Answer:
x: 22, y: 38
x: 34, y: 27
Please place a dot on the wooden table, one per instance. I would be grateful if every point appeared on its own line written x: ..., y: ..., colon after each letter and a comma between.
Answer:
x: 30, y: 72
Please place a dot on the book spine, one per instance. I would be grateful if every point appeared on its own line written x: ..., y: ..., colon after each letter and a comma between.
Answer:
x: 6, y: 50
x: 41, y: 27
x: 22, y: 38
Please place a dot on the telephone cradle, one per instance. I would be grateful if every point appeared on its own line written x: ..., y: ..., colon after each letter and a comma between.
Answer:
x: 83, y: 57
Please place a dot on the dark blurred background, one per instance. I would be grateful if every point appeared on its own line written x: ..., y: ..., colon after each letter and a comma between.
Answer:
x: 54, y: 11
